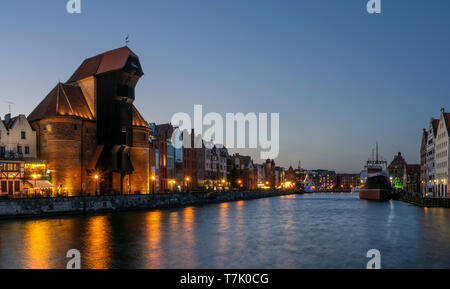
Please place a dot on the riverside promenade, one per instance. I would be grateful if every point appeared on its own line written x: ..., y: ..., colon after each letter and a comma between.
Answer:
x: 99, y: 204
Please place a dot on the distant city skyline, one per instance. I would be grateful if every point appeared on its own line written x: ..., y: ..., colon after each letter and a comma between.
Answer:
x: 340, y: 78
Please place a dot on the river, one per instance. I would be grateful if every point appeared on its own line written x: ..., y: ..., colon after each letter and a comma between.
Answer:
x: 300, y: 231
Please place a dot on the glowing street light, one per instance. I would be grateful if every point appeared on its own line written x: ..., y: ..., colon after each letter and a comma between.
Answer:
x: 35, y: 177
x: 96, y: 178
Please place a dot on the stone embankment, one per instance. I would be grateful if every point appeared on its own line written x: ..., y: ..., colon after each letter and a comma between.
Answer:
x: 91, y: 205
x: 418, y: 200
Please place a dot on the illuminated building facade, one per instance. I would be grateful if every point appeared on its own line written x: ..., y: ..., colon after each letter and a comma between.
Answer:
x: 88, y: 126
x: 212, y: 166
x: 11, y: 177
x: 348, y: 181
x: 442, y: 156
x: 430, y: 162
x: 247, y: 176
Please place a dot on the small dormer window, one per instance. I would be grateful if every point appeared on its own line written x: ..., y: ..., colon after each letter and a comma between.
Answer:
x: 23, y: 135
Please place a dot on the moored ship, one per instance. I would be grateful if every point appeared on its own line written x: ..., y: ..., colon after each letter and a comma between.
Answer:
x: 376, y: 185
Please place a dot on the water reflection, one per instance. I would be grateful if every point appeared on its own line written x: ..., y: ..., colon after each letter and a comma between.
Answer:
x: 153, y: 237
x: 308, y: 231
x: 97, y: 253
x: 37, y: 245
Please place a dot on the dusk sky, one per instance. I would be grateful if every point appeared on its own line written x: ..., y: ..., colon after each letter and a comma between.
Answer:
x: 340, y: 78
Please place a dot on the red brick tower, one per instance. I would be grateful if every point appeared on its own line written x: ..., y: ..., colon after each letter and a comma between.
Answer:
x: 88, y: 127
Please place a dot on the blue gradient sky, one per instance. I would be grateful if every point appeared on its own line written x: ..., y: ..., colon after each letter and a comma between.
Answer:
x: 340, y: 78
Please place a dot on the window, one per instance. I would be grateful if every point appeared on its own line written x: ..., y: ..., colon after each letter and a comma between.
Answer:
x: 27, y: 150
x: 124, y: 136
x: 19, y: 149
x: 17, y: 186
x: 23, y: 135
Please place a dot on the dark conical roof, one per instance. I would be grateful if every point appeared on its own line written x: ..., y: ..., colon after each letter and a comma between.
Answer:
x: 63, y: 100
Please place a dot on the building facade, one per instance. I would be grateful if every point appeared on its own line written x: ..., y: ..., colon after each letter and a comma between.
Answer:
x: 247, y: 175
x: 430, y: 164
x: 212, y: 166
x: 12, y: 173
x: 189, y: 161
x: 411, y: 178
x: 17, y: 138
x: 396, y: 167
x: 423, y: 163
x: 348, y: 181
x: 442, y: 156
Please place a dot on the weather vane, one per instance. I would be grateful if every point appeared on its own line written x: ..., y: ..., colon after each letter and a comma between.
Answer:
x: 127, y: 40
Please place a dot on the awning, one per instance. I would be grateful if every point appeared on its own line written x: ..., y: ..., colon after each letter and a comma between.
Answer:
x: 41, y: 184
x: 98, y: 152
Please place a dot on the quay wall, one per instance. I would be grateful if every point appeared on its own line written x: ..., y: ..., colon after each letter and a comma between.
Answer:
x: 418, y: 200
x: 91, y: 205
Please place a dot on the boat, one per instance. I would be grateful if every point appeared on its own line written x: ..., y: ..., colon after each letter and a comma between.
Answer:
x: 377, y: 188
x: 375, y: 185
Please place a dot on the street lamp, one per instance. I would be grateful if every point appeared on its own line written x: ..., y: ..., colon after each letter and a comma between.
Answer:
x: 153, y: 178
x: 96, y: 178
x: 35, y: 184
x: 188, y: 179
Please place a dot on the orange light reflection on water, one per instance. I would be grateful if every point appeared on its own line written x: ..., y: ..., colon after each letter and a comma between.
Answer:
x: 37, y: 245
x: 153, y: 224
x: 98, y: 243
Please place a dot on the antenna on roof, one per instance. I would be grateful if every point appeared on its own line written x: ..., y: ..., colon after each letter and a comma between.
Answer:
x: 127, y: 40
x: 9, y: 104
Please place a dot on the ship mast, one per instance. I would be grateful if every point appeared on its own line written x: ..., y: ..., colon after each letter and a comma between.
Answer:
x: 377, y: 152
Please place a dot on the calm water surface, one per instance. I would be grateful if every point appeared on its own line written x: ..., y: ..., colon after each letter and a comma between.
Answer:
x: 309, y: 231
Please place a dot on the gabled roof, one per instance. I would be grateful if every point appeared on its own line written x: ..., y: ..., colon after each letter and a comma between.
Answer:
x: 63, y: 100
x: 447, y: 121
x: 434, y: 125
x: 105, y: 62
x: 9, y: 124
x: 138, y: 120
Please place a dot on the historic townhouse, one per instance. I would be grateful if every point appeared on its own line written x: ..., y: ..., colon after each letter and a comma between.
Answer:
x: 423, y: 163
x: 430, y: 162
x: 17, y: 138
x: 212, y: 165
x: 89, y: 132
x: 442, y: 155
x: 17, y: 146
x: 247, y: 176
